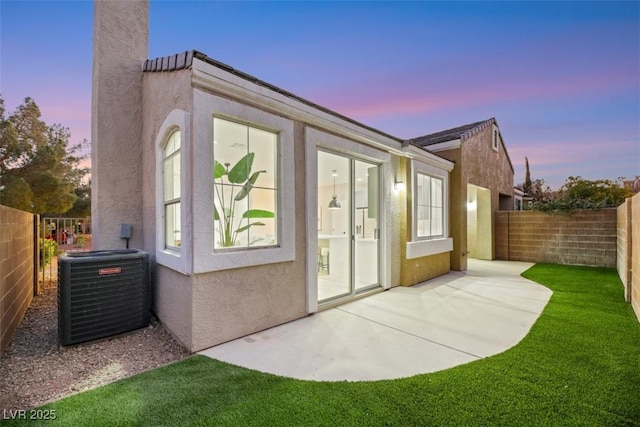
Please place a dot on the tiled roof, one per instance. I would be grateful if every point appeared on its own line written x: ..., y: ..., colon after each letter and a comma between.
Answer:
x: 184, y: 60
x: 460, y: 132
x: 179, y: 61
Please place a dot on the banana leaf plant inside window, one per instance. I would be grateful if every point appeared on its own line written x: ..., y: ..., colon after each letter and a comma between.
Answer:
x: 232, y: 185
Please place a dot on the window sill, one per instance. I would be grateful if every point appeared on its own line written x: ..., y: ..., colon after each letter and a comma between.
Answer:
x: 424, y: 248
x: 241, y: 259
x: 173, y: 260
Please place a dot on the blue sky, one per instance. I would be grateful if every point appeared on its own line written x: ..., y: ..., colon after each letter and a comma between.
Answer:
x: 562, y: 78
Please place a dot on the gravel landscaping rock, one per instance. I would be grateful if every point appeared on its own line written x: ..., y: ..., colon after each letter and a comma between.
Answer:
x: 35, y: 369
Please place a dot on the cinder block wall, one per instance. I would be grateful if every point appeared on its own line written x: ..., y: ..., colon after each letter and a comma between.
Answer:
x: 17, y: 269
x: 584, y: 237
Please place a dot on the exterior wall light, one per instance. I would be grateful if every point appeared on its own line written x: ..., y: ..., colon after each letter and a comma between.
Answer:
x: 398, y: 186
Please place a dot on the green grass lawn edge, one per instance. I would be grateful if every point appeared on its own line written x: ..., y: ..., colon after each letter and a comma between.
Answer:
x: 579, y: 365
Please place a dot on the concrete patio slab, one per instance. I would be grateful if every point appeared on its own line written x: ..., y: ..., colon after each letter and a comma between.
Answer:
x: 445, y: 322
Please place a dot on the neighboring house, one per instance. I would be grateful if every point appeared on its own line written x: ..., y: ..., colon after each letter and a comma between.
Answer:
x: 481, y: 184
x: 632, y: 184
x: 257, y: 206
x: 518, y: 202
x: 521, y: 200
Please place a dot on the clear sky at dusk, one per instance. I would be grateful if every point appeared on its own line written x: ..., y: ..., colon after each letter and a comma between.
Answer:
x: 561, y: 78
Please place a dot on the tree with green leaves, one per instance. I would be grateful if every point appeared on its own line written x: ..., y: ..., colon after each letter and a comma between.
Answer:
x: 540, y: 192
x: 526, y: 187
x: 39, y: 171
x: 82, y: 206
x: 579, y: 193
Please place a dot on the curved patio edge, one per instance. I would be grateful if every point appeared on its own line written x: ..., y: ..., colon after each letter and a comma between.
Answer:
x: 444, y: 322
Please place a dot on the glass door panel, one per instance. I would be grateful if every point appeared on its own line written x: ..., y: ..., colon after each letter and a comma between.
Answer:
x: 334, y: 226
x: 367, y: 228
x: 348, y: 226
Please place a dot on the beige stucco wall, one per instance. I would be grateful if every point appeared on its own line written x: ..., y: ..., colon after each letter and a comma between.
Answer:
x: 172, y: 292
x: 232, y: 303
x: 203, y: 310
x: 172, y: 302
x: 398, y: 218
x: 478, y: 164
x: 129, y: 109
x: 421, y: 269
x: 163, y: 93
x: 457, y: 211
x: 479, y: 218
x: 206, y: 309
x: 486, y: 168
x: 120, y: 44
x: 415, y: 270
x: 472, y: 221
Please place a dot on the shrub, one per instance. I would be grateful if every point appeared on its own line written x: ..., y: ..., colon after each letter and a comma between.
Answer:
x: 48, y: 248
x: 81, y: 241
x: 579, y: 193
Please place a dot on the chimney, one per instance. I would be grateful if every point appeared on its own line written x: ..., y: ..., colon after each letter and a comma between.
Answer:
x: 120, y: 45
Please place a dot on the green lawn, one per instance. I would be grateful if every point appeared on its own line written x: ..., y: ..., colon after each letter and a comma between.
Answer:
x: 579, y: 365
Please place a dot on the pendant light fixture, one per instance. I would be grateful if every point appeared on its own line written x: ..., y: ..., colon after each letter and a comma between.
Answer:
x: 334, y: 203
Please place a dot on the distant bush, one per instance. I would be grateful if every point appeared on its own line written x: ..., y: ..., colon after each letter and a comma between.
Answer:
x: 81, y: 241
x: 48, y: 248
x: 579, y: 193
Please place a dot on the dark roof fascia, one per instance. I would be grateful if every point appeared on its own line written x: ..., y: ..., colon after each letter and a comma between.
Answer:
x: 184, y: 60
x: 459, y: 132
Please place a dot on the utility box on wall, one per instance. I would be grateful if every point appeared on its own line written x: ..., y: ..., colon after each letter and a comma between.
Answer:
x: 102, y: 293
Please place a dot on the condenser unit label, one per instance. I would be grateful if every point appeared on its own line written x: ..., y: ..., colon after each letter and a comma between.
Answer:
x: 111, y: 270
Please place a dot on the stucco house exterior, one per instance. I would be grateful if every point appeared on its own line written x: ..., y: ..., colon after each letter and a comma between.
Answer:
x: 481, y: 184
x: 259, y: 207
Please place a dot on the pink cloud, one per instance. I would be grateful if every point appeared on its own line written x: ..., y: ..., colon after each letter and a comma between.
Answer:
x: 407, y: 95
x: 593, y: 159
x: 72, y: 110
x: 74, y: 113
x: 548, y: 71
x: 560, y: 152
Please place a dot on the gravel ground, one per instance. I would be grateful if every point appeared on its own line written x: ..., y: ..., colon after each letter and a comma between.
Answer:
x: 35, y: 369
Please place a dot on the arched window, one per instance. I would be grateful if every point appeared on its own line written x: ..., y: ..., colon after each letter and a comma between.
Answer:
x: 171, y: 191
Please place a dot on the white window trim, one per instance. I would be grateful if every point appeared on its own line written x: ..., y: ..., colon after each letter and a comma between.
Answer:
x: 205, y: 259
x: 276, y: 188
x: 174, y: 200
x: 425, y: 246
x: 317, y: 139
x: 178, y: 259
x: 429, y: 205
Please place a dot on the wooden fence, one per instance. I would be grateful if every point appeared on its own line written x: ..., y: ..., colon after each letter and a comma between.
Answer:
x: 628, y: 250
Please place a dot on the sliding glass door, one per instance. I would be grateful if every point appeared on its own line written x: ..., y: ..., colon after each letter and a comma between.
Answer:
x: 348, y: 226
